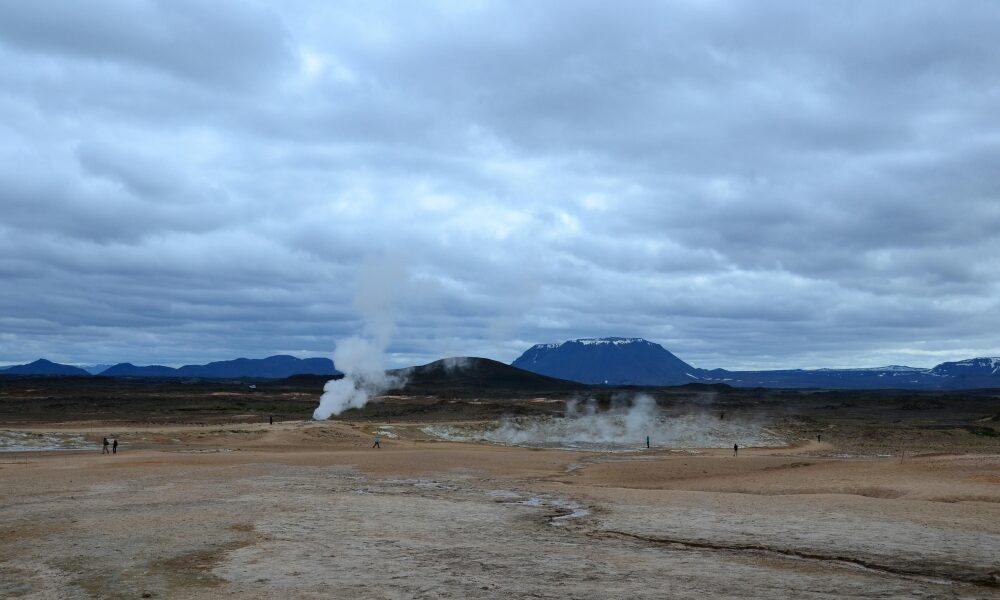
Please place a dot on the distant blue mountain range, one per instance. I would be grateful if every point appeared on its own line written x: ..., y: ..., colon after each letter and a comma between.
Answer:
x: 635, y: 361
x: 272, y: 367
x: 601, y: 361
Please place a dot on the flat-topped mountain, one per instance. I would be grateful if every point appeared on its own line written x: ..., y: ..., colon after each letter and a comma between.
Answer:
x: 610, y: 360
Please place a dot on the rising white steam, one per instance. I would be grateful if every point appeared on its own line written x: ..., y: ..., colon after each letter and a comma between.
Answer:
x: 363, y: 364
x: 362, y: 358
x: 624, y: 425
x: 584, y: 424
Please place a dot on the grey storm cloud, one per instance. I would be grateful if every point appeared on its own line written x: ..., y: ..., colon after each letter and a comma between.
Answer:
x: 751, y: 184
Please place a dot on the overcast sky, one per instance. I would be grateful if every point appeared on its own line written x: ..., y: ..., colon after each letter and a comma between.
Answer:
x: 750, y: 184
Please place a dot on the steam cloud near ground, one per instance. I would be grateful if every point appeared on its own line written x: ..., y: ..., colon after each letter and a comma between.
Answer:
x: 362, y: 358
x: 624, y: 425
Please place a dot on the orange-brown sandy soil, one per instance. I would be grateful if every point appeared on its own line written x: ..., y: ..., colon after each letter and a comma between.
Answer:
x: 310, y: 510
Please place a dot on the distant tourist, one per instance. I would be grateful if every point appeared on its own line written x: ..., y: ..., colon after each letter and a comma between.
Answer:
x: 819, y: 437
x: 378, y: 438
x: 114, y: 447
x: 736, y: 449
x: 104, y: 450
x: 647, y: 441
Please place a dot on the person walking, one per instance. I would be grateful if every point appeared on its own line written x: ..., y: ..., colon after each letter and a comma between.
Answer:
x: 378, y: 443
x: 104, y: 450
x: 114, y: 447
x: 736, y: 449
x: 647, y: 441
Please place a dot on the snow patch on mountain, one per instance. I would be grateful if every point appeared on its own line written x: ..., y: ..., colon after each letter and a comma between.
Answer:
x: 614, y: 341
x: 989, y: 362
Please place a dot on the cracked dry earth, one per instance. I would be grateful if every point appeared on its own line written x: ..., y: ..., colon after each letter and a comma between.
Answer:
x: 469, y: 521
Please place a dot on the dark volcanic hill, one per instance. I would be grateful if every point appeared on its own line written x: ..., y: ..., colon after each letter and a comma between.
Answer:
x: 272, y: 367
x: 471, y: 373
x: 611, y: 361
x: 44, y: 367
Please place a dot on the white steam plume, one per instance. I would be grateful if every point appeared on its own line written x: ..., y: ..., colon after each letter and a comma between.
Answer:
x: 362, y: 358
x: 624, y: 425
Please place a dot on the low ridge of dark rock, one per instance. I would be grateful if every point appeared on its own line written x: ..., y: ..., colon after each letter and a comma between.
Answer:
x: 273, y: 367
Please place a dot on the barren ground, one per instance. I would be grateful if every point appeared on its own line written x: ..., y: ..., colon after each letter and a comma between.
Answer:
x: 309, y: 510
